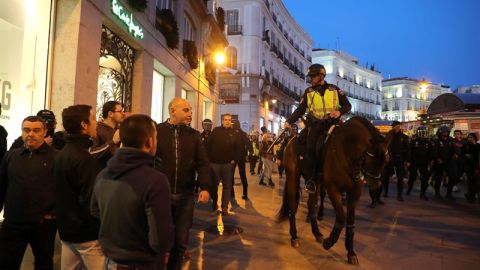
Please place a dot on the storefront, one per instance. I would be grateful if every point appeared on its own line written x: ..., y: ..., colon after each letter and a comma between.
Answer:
x: 25, y: 27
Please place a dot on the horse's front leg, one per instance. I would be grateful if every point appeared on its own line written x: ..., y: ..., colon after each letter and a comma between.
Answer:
x: 350, y: 231
x: 293, y: 230
x: 312, y: 204
x: 336, y: 199
x: 321, y: 207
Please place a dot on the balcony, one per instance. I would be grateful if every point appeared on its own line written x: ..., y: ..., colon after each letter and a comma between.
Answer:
x: 274, y: 17
x: 267, y: 4
x: 235, y: 30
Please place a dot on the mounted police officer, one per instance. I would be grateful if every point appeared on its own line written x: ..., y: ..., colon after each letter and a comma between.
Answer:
x: 324, y: 103
x: 420, y: 158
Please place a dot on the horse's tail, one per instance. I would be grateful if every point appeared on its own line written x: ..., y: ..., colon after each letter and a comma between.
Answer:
x: 283, y: 213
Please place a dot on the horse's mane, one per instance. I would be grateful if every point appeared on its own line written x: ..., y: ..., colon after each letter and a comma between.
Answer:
x: 376, y: 137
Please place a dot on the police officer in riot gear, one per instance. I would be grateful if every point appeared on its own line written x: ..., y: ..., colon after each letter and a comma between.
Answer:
x: 207, y: 125
x: 324, y: 103
x: 420, y: 158
x: 442, y: 155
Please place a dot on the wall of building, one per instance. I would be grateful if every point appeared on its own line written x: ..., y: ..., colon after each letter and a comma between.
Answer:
x: 265, y: 70
x: 76, y: 52
x: 403, y: 99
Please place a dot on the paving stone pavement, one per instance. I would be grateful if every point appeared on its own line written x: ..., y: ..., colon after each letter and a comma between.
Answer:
x: 413, y: 234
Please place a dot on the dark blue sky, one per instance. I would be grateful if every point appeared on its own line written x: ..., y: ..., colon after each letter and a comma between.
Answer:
x: 438, y: 40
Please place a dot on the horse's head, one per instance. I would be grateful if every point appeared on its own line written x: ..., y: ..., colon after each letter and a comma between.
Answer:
x: 375, y: 158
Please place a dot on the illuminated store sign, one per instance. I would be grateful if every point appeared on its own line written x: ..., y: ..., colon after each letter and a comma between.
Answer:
x: 126, y: 17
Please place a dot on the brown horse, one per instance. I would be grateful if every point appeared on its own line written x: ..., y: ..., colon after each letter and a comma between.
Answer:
x: 355, y: 152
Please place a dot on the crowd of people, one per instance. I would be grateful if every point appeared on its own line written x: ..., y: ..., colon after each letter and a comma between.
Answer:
x: 439, y: 160
x: 120, y: 192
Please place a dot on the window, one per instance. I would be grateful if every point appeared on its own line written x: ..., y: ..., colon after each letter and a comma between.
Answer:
x: 231, y: 60
x: 166, y: 4
x: 232, y: 18
x: 207, y: 109
x: 189, y: 32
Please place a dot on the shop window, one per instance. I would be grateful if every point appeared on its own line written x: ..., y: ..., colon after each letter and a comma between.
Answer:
x: 24, y: 43
x: 158, y: 86
x: 116, y: 71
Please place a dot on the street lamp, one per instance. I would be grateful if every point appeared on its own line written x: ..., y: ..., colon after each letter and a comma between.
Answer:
x: 423, y: 91
x: 219, y: 58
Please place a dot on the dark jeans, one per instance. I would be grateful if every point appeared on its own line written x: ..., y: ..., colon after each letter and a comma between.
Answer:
x: 423, y: 170
x: 253, y: 161
x: 397, y: 164
x: 243, y: 178
x: 14, y: 238
x: 440, y: 170
x: 222, y: 172
x: 182, y: 213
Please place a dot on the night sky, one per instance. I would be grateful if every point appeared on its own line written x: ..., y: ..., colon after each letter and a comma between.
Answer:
x: 438, y: 40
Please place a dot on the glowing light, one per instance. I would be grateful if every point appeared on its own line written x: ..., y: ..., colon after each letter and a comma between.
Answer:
x: 399, y: 93
x: 219, y: 58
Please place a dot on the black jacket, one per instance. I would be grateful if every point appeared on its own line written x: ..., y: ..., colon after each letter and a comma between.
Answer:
x: 132, y: 201
x: 399, y: 146
x: 223, y: 146
x: 181, y: 154
x: 27, y: 183
x: 75, y: 172
x: 345, y: 105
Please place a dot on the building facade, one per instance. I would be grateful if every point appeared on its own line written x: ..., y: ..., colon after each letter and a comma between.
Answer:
x: 472, y: 89
x: 405, y: 98
x: 141, y: 53
x: 266, y: 60
x: 362, y: 85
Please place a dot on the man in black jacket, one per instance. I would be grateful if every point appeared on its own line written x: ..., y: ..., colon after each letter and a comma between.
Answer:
x: 223, y: 150
x: 245, y: 148
x: 75, y: 172
x: 180, y: 154
x: 132, y: 201
x: 26, y: 190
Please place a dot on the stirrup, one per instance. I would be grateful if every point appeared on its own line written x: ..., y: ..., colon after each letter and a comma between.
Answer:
x: 310, y: 186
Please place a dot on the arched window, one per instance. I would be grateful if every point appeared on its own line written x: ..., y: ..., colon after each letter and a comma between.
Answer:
x: 231, y: 59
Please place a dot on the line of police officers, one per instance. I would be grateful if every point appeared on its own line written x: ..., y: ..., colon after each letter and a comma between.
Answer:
x: 443, y: 158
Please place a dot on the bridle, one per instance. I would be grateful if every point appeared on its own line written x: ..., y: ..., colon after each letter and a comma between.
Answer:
x: 366, y: 172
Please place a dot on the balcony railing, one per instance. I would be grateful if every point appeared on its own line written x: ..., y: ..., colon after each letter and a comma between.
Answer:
x: 235, y: 30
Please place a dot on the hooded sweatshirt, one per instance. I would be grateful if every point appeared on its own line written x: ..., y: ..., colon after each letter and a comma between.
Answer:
x: 132, y: 201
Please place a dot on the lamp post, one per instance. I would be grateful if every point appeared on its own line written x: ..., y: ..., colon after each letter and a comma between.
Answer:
x: 423, y: 91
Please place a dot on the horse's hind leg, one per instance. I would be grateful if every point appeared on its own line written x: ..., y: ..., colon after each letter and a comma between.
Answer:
x: 352, y: 257
x: 312, y: 203
x: 336, y: 199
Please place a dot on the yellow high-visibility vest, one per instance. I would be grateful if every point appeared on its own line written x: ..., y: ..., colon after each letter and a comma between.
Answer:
x: 255, y: 150
x: 320, y: 106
